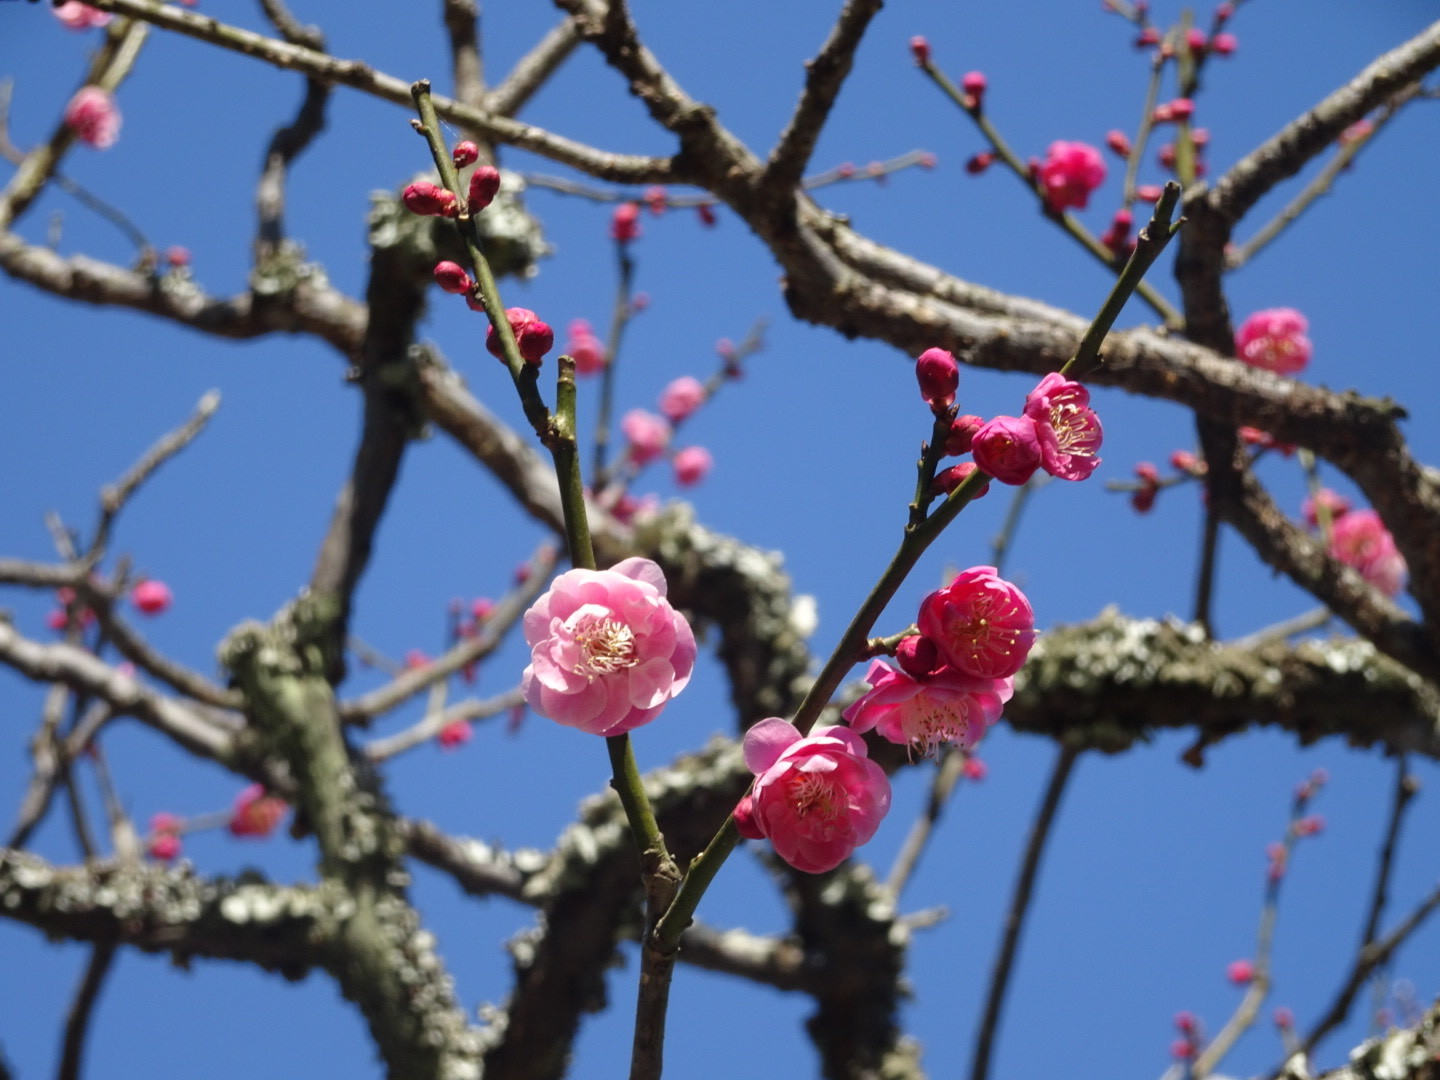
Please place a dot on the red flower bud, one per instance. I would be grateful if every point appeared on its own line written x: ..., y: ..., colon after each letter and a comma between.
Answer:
x: 1119, y: 142
x: 974, y: 86
x: 921, y: 48
x: 962, y: 431
x: 430, y: 200
x: 939, y: 377
x: 452, y: 278
x: 625, y: 224
x: 979, y: 163
x: 484, y: 184
x: 465, y: 153
x: 533, y: 336
x: 947, y: 480
x: 917, y: 655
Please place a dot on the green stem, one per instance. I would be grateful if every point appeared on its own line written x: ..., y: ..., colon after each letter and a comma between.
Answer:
x: 619, y: 318
x: 565, y: 452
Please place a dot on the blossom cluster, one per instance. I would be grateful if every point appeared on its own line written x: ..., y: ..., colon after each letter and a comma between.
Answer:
x: 1360, y: 540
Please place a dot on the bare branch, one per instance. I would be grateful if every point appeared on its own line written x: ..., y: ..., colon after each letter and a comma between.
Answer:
x: 467, y: 67
x: 77, y: 1022
x: 532, y: 70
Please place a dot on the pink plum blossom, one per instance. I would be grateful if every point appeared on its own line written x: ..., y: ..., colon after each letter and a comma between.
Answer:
x: 78, y: 16
x: 1240, y: 972
x: 1360, y: 540
x: 1066, y: 427
x: 982, y: 624
x: 692, y: 464
x: 625, y: 224
x: 1069, y: 173
x: 151, y: 597
x: 681, y: 398
x: 94, y: 117
x: 164, y: 842
x: 607, y: 651
x: 817, y: 797
x: 1008, y: 448
x: 649, y: 435
x: 586, y: 348
x: 1274, y: 340
x: 256, y: 813
x: 925, y: 713
x: 454, y: 735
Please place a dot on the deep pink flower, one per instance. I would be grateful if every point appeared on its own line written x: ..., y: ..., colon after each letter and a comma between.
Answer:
x: 648, y: 434
x: 429, y: 200
x: 1223, y: 44
x: 1069, y: 173
x: 1067, y: 428
x: 1195, y: 39
x: 925, y: 713
x: 1361, y: 540
x: 454, y: 735
x: 691, y: 465
x: 1335, y: 504
x: 78, y: 16
x: 1008, y: 448
x: 532, y: 335
x: 974, y: 84
x: 939, y: 377
x: 586, y: 348
x: 452, y: 277
x: 465, y: 153
x: 681, y: 398
x: 164, y: 846
x: 1240, y: 972
x: 151, y: 597
x: 256, y: 814
x: 625, y: 224
x: 607, y: 650
x: 484, y: 186
x: 817, y: 797
x: 1274, y: 340
x: 981, y: 623
x: 94, y: 117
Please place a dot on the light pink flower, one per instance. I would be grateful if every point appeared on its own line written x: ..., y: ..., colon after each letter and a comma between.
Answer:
x: 648, y: 434
x: 1240, y: 972
x: 586, y: 348
x: 925, y: 713
x: 151, y: 597
x: 817, y: 797
x: 691, y: 464
x: 256, y: 814
x: 681, y: 398
x: 982, y: 624
x: 1274, y: 340
x: 1008, y: 448
x: 1361, y: 540
x: 1067, y: 428
x: 94, y: 117
x: 78, y: 16
x: 607, y: 650
x: 1069, y: 173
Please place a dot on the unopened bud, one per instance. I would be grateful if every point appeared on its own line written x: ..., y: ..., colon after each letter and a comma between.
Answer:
x: 430, y: 200
x: 1119, y: 142
x: 974, y: 84
x: 939, y: 377
x: 465, y: 153
x: 962, y: 432
x: 917, y: 655
x: 980, y: 162
x: 921, y: 48
x: 947, y: 480
x: 484, y: 184
x: 452, y: 278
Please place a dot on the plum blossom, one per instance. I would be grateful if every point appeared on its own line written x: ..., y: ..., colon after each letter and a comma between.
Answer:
x: 164, y: 841
x: 94, y: 117
x: 607, y: 651
x: 1240, y: 972
x: 648, y: 435
x: 151, y: 597
x: 1275, y: 340
x: 681, y: 398
x: 533, y: 336
x: 256, y: 813
x: 454, y: 735
x: 1066, y: 428
x: 78, y: 16
x: 1008, y: 448
x: 816, y: 797
x: 625, y: 223
x: 925, y: 713
x: 1360, y: 540
x: 939, y: 377
x: 692, y: 464
x: 1069, y: 173
x: 586, y: 348
x: 982, y: 624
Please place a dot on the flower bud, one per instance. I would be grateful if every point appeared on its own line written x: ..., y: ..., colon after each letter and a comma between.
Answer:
x: 706, y: 213
x: 625, y: 224
x: 1119, y: 142
x: 947, y: 480
x: 974, y: 84
x: 980, y: 162
x: 962, y: 432
x: 917, y: 655
x: 484, y: 184
x: 151, y: 597
x: 921, y: 48
x: 452, y: 278
x: 533, y: 336
x: 1223, y: 44
x: 465, y: 153
x: 1008, y: 448
x: 939, y: 377
x: 429, y: 200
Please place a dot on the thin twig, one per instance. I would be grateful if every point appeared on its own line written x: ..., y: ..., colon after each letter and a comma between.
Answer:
x: 467, y: 67
x: 533, y: 69
x: 1313, y: 619
x: 433, y: 722
x: 947, y: 775
x: 1019, y: 907
x: 77, y: 1022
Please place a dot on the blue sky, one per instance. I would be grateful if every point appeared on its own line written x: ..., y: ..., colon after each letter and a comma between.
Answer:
x: 1153, y: 884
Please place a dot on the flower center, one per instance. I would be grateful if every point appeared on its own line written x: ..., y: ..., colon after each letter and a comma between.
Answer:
x: 606, y: 646
x: 1072, y: 431
x: 811, y: 794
